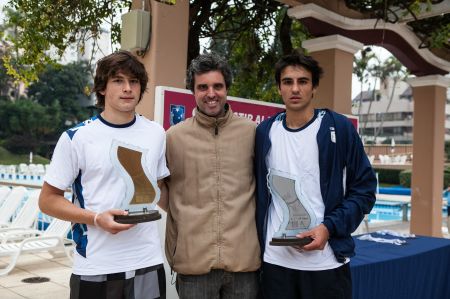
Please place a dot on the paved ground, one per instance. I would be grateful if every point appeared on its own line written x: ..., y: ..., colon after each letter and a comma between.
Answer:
x: 36, y: 265
x: 58, y: 271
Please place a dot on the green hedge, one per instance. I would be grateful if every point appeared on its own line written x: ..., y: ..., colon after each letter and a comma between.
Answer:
x: 7, y: 158
x: 388, y: 176
x: 405, y: 178
x: 447, y: 150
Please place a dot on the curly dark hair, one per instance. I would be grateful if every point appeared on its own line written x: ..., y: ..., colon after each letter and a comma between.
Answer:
x: 206, y: 63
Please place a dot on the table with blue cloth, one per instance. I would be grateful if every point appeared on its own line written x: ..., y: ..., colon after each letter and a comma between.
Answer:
x: 418, y: 269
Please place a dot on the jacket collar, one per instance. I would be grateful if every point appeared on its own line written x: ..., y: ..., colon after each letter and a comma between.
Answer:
x: 210, y: 122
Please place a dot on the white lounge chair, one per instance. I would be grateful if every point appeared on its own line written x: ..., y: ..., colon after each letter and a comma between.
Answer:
x: 11, y: 204
x: 32, y: 169
x: 23, y: 168
x: 11, y: 169
x: 52, y: 240
x: 23, y: 222
x: 4, y: 191
x: 40, y: 169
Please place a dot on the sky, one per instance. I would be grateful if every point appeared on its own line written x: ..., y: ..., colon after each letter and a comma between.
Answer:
x: 382, y: 54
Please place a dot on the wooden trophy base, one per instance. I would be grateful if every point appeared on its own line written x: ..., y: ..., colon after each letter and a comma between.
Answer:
x: 290, y: 241
x: 138, y: 217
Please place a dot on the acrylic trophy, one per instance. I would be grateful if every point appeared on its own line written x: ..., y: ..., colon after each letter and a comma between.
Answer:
x: 297, y: 215
x: 142, y: 192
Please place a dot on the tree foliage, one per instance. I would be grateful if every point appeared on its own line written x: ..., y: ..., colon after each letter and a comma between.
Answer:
x: 251, y: 34
x: 46, y: 27
x: 395, y: 71
x: 69, y: 86
x: 6, y: 81
x: 40, y: 28
x: 368, y: 67
x: 360, y: 69
x: 252, y: 53
x: 25, y: 125
x: 34, y: 123
x: 232, y: 19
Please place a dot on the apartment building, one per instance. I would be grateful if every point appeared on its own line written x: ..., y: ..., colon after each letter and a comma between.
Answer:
x: 378, y: 117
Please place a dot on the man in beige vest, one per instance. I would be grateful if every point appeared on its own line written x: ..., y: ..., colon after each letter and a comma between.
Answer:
x: 211, y: 239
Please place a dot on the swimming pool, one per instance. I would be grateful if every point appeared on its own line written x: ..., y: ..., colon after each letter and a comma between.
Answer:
x: 389, y: 210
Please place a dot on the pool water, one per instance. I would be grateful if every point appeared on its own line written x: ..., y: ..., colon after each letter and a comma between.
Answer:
x: 388, y: 210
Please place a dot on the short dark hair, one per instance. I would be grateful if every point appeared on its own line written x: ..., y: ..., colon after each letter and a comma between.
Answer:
x: 118, y: 62
x: 299, y: 59
x: 206, y: 63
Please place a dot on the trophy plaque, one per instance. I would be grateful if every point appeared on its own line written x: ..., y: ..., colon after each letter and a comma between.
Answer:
x: 142, y: 192
x: 297, y: 216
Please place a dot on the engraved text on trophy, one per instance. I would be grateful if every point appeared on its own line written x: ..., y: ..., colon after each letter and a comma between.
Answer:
x: 298, y: 216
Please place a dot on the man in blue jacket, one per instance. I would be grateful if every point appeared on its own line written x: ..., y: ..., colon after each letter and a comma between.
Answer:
x: 320, y: 151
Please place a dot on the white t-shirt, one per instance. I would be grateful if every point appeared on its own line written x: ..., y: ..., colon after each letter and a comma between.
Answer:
x: 82, y: 158
x: 296, y: 153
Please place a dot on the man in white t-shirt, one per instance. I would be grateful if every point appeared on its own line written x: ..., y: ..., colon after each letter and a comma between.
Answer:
x: 318, y: 157
x: 111, y: 260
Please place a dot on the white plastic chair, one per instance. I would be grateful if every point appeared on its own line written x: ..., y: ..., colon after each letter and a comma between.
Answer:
x: 403, y: 159
x: 24, y: 220
x: 40, y: 169
x: 11, y: 169
x: 10, y: 205
x: 32, y: 169
x: 53, y: 239
x: 23, y: 168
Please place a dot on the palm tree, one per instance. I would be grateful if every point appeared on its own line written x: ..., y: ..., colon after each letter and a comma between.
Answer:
x: 391, y: 69
x: 376, y: 72
x: 360, y: 69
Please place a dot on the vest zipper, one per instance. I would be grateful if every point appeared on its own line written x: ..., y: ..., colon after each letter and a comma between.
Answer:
x: 218, y: 223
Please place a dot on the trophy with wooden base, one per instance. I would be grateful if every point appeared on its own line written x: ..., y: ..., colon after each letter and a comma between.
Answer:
x: 296, y: 212
x: 142, y: 192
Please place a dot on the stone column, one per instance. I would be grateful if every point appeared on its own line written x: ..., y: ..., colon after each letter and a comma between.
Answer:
x: 429, y: 93
x: 166, y: 59
x: 335, y: 55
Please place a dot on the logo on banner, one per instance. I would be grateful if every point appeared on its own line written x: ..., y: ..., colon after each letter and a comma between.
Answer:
x: 177, y: 114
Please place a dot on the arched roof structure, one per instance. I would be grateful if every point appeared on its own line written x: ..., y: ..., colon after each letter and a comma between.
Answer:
x: 323, y: 18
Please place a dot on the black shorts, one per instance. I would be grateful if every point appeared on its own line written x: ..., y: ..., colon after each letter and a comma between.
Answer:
x: 148, y: 283
x: 280, y: 282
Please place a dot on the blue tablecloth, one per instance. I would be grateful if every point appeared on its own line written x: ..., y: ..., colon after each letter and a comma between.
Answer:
x: 419, y: 269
